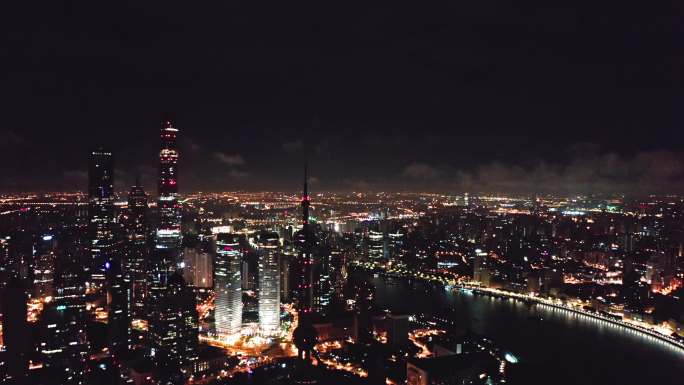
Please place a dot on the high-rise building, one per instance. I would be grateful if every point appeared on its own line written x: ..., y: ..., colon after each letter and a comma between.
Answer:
x: 168, y: 234
x: 63, y: 341
x: 198, y: 260
x: 376, y: 245
x: 396, y: 243
x: 6, y: 264
x: 397, y: 330
x: 285, y: 263
x: 323, y: 288
x: 136, y: 248
x: 44, y: 259
x: 227, y: 285
x: 247, y: 282
x: 118, y: 309
x: 16, y: 334
x: 173, y: 330
x: 305, y: 334
x: 305, y: 284
x: 100, y: 212
x: 480, y: 271
x: 268, y: 245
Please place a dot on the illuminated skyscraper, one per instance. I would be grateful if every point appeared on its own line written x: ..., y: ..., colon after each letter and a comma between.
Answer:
x: 480, y: 271
x: 169, y: 232
x: 323, y: 288
x: 101, y: 212
x: 44, y: 259
x: 269, y: 282
x: 228, y: 285
x: 7, y: 268
x: 136, y: 248
x: 376, y: 245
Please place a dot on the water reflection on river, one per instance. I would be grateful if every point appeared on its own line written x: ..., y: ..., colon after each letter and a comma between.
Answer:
x: 554, y: 346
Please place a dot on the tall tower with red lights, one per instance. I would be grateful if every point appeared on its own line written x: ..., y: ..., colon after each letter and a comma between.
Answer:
x: 169, y: 232
x: 305, y: 334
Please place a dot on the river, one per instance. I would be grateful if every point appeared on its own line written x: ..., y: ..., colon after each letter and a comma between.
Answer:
x: 552, y: 346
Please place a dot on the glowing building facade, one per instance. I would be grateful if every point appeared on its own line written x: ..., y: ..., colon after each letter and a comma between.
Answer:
x: 100, y: 212
x: 44, y: 259
x: 168, y: 234
x: 136, y: 248
x: 376, y: 245
x: 228, y: 285
x: 269, y: 282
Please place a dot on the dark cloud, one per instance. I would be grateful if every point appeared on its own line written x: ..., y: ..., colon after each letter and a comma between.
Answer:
x: 421, y: 171
x: 588, y: 172
x: 237, y: 174
x: 75, y: 178
x: 293, y: 146
x: 231, y: 160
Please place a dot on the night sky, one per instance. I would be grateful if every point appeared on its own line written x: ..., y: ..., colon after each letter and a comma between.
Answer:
x: 433, y: 95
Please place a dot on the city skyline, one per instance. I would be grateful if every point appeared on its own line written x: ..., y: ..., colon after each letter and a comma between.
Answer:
x: 308, y: 193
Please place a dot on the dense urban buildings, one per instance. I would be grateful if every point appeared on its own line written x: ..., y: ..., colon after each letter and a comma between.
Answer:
x: 186, y: 311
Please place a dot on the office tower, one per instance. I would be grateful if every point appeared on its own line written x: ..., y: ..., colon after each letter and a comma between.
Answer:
x: 63, y: 342
x: 6, y: 263
x: 396, y: 243
x: 285, y: 262
x: 118, y: 309
x: 44, y: 259
x: 376, y: 245
x: 101, y: 212
x: 305, y: 334
x: 160, y: 267
x: 15, y: 331
x: 363, y: 306
x: 227, y: 285
x: 246, y: 282
x: 339, y: 274
x: 480, y: 271
x: 169, y: 232
x: 199, y: 262
x: 136, y: 248
x: 268, y: 245
x: 397, y: 330
x: 322, y: 290
x: 173, y: 330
